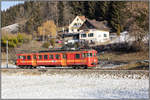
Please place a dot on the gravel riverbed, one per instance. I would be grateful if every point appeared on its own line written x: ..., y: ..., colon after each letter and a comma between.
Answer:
x: 74, y: 84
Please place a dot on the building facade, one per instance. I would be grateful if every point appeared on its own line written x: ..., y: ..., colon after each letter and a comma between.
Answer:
x: 94, y: 36
x: 76, y: 24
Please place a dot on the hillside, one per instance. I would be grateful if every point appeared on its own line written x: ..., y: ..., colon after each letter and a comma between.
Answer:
x: 35, y: 13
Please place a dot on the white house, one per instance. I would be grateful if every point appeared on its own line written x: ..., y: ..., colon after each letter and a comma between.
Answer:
x: 76, y: 24
x: 94, y: 31
x: 94, y: 35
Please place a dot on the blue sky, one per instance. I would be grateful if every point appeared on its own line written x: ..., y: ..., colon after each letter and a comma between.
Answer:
x: 7, y: 4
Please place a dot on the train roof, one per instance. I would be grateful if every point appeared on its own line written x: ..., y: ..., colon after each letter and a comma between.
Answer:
x: 58, y: 51
x: 65, y: 50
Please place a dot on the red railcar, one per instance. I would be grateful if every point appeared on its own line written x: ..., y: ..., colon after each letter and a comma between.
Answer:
x: 75, y: 59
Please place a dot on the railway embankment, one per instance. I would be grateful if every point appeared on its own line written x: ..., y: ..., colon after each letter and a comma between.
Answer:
x: 96, y: 72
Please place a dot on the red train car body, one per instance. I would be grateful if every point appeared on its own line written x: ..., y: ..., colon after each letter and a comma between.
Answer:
x: 75, y: 59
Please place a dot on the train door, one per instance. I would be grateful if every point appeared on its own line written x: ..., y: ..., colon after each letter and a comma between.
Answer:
x: 34, y: 60
x: 64, y: 59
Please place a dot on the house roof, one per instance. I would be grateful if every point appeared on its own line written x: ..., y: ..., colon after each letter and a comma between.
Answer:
x: 82, y: 18
x: 93, y: 24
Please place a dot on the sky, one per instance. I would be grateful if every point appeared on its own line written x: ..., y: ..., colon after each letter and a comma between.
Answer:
x: 7, y: 4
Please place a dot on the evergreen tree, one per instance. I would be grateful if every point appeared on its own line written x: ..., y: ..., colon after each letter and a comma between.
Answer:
x: 115, y: 14
x: 61, y: 13
x: 91, y: 9
x: 102, y: 10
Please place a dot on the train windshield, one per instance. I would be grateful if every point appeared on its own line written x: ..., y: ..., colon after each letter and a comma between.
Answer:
x: 87, y: 55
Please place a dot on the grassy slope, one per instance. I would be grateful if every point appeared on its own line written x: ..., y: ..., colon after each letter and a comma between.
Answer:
x: 128, y: 57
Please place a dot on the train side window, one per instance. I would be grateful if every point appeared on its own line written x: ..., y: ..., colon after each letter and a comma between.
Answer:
x: 64, y: 56
x: 24, y: 57
x: 28, y: 57
x: 94, y: 54
x: 90, y: 54
x: 77, y: 56
x: 57, y: 56
x: 34, y: 57
x: 45, y: 57
x: 51, y: 57
x: 40, y: 57
x: 83, y: 55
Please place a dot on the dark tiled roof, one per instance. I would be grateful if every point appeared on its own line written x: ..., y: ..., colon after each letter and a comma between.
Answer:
x: 93, y: 24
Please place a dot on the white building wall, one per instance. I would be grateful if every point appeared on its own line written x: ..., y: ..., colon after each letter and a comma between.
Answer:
x: 98, y: 36
x: 72, y: 28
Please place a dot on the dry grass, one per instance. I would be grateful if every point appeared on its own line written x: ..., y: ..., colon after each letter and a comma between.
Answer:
x: 31, y: 73
x: 117, y: 56
x: 135, y: 66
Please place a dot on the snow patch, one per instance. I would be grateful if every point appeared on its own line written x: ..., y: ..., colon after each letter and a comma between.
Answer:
x: 4, y: 65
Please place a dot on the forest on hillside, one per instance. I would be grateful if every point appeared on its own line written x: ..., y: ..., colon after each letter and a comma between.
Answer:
x: 120, y: 15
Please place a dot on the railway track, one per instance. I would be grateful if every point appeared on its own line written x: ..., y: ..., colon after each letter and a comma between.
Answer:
x: 61, y: 71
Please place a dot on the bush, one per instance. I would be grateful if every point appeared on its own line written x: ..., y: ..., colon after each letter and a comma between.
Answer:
x: 15, y: 40
x: 46, y: 45
x: 52, y: 41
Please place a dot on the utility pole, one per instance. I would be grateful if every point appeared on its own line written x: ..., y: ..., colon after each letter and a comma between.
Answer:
x: 7, y: 53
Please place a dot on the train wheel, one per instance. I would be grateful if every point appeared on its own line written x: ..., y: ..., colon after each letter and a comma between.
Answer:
x: 85, y: 67
x: 78, y: 67
x: 74, y: 67
x: 30, y: 67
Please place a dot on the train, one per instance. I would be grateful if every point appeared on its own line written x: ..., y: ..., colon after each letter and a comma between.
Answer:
x: 74, y: 58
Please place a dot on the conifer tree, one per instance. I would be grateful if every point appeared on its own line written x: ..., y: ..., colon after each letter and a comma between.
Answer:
x: 60, y: 12
x: 115, y: 14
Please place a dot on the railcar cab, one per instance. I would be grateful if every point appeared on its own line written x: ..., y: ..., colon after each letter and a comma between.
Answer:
x: 91, y: 58
x: 24, y: 60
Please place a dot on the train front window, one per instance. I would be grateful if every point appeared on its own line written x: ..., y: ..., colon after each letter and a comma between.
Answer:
x: 94, y: 54
x: 40, y: 57
x: 57, y: 56
x: 50, y: 56
x: 45, y: 57
x: 19, y: 57
x: 89, y: 54
x: 28, y: 57
x: 77, y: 56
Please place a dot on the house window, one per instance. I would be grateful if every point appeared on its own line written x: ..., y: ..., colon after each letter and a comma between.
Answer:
x: 77, y: 56
x: 75, y: 24
x: 90, y: 35
x: 105, y: 35
x: 83, y: 35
